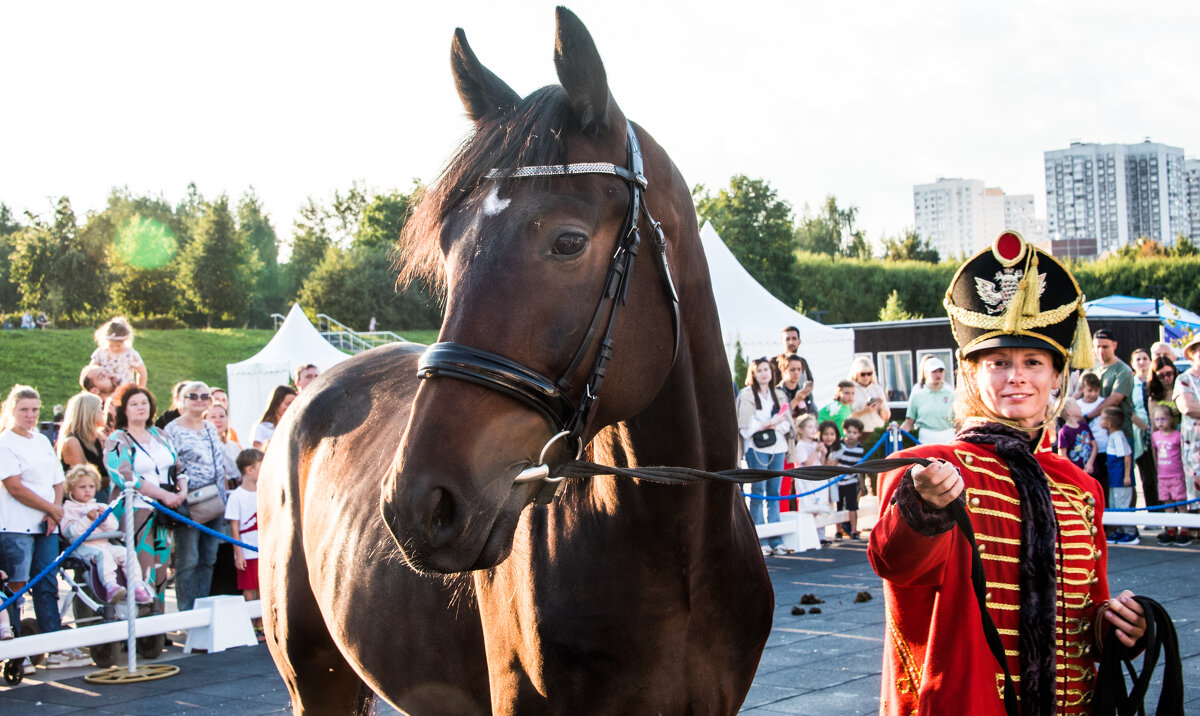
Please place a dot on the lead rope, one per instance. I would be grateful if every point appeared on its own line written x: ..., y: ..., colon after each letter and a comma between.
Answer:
x: 1160, y: 638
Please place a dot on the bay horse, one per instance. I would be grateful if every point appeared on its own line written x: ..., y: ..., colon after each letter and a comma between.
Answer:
x: 415, y: 543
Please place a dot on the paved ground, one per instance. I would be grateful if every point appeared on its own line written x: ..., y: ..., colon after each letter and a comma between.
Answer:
x: 825, y: 664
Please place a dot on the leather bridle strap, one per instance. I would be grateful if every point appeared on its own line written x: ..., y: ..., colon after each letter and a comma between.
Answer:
x: 551, y: 397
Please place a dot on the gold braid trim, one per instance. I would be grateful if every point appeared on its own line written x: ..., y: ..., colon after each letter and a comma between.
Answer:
x: 997, y: 323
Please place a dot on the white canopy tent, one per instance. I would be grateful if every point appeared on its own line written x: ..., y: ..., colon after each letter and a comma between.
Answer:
x: 751, y: 315
x: 251, y: 381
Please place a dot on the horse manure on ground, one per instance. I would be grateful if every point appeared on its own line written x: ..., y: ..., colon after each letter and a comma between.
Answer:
x: 797, y: 611
x: 814, y: 610
x: 811, y: 599
x: 863, y: 596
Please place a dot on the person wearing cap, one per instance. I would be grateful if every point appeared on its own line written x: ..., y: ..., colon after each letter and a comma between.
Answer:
x: 1186, y: 395
x: 931, y: 405
x: 1116, y: 380
x: 1018, y: 319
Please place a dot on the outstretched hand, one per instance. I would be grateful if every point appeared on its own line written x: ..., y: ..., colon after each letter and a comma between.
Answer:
x: 1127, y: 617
x: 938, y: 483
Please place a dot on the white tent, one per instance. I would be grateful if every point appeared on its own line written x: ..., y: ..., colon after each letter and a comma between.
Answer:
x: 251, y: 381
x: 751, y: 315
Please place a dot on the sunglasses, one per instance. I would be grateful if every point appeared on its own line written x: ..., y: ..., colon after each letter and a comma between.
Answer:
x: 1166, y: 374
x: 198, y: 396
x: 867, y: 372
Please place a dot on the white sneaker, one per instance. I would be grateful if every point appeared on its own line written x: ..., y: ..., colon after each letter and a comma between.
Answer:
x: 767, y: 551
x: 29, y: 668
x: 781, y: 550
x: 66, y: 658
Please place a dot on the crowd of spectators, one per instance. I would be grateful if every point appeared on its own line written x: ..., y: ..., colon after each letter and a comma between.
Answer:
x: 111, y: 437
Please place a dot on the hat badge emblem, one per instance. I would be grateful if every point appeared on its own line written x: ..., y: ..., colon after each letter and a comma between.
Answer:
x: 998, y: 293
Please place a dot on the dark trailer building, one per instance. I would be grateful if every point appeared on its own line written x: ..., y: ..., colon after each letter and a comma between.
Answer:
x: 897, y: 347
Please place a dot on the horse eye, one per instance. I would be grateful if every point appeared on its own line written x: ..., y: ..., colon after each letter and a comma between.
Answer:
x: 569, y: 244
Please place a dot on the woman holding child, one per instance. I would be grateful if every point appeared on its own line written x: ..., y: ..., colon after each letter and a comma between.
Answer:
x: 1018, y: 318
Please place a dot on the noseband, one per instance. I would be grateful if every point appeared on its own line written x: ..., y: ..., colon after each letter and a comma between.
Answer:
x: 552, y: 398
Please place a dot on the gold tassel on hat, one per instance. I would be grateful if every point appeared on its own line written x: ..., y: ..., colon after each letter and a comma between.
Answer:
x: 1081, y: 346
x: 1032, y: 304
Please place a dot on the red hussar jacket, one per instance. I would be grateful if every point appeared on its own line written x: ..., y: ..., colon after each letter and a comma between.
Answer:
x: 936, y: 660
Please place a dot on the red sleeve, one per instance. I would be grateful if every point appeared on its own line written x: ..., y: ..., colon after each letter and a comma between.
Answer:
x: 907, y: 548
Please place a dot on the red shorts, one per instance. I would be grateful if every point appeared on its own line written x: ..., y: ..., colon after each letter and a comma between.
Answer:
x: 248, y: 578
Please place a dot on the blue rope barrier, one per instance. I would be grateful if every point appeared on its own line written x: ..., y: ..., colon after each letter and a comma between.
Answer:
x: 197, y: 525
x: 53, y: 568
x: 815, y: 490
x: 1154, y: 508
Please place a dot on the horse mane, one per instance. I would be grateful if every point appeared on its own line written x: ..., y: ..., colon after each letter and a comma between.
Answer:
x: 530, y: 135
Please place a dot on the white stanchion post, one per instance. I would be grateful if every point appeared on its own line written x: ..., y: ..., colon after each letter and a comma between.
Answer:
x: 132, y: 567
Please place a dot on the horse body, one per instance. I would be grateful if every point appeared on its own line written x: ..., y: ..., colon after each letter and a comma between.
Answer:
x: 618, y: 596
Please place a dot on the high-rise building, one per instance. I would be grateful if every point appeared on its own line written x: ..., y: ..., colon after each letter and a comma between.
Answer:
x: 1099, y: 197
x: 961, y: 216
x: 1191, y: 184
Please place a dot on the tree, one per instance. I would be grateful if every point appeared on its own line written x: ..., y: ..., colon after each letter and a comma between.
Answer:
x: 354, y: 284
x: 910, y: 247
x: 310, y: 242
x: 1184, y: 247
x: 831, y: 231
x: 218, y: 268
x: 254, y: 229
x: 757, y: 227
x: 893, y: 310
x: 144, y: 234
x: 383, y: 218
x: 55, y: 271
x: 10, y: 294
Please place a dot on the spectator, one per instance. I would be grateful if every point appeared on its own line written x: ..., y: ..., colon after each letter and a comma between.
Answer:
x: 848, y: 489
x: 1116, y: 391
x: 202, y: 455
x: 1163, y: 349
x: 1143, y: 457
x: 796, y: 386
x: 1090, y: 401
x: 1167, y: 449
x: 42, y: 321
x: 1119, y: 455
x: 764, y: 424
x: 116, y: 354
x: 304, y: 375
x: 221, y: 398
x: 242, y: 513
x: 96, y: 379
x: 27, y: 320
x: 1075, y: 441
x: 281, y: 398
x: 931, y: 405
x: 791, y: 345
x: 81, y: 440
x: 1162, y: 380
x: 371, y: 325
x: 136, y: 453
x: 81, y: 509
x: 840, y: 408
x: 219, y: 417
x: 870, y: 404
x: 1186, y: 395
x: 177, y: 406
x: 31, y: 510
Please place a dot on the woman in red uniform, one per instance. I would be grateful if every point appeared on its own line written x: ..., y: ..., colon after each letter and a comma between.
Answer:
x: 1017, y: 316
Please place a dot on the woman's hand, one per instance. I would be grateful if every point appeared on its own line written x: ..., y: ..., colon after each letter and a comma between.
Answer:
x: 1127, y: 617
x: 938, y: 483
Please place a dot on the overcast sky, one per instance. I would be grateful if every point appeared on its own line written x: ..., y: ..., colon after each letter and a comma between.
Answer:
x: 858, y: 99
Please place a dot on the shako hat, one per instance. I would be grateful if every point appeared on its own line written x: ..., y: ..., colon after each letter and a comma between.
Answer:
x: 1014, y: 295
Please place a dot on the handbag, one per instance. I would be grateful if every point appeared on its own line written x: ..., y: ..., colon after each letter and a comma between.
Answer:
x: 204, y: 504
x: 764, y: 438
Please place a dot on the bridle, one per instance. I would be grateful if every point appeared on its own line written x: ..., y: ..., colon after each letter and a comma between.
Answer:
x: 552, y: 398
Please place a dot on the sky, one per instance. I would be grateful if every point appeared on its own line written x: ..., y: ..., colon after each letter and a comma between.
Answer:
x: 861, y: 100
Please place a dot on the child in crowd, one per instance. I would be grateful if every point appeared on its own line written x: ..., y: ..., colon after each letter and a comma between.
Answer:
x: 1119, y: 458
x: 1088, y: 401
x: 242, y: 513
x: 839, y: 410
x: 80, y: 510
x: 850, y: 455
x: 809, y: 450
x: 115, y: 352
x: 1075, y: 441
x: 1168, y: 454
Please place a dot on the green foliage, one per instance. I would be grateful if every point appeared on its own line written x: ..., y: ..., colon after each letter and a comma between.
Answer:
x: 1176, y: 275
x: 51, y: 360
x: 740, y: 364
x: 757, y: 227
x: 831, y: 231
x: 255, y: 230
x: 217, y: 267
x: 383, y: 218
x: 355, y: 284
x: 310, y: 242
x: 853, y: 290
x: 10, y: 295
x: 909, y: 247
x: 893, y: 309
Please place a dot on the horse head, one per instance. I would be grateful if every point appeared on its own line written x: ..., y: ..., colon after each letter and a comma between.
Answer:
x: 526, y: 264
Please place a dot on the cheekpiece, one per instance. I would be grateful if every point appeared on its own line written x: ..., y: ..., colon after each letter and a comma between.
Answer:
x: 1014, y: 295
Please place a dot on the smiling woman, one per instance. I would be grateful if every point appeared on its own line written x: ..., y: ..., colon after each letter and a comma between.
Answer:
x: 1017, y: 315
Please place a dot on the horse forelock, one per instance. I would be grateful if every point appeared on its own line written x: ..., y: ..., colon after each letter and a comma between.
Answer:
x: 534, y: 134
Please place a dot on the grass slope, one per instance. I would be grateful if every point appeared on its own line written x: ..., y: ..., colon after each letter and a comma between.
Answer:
x: 51, y: 360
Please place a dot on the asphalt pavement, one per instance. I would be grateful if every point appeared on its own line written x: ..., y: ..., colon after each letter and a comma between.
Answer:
x: 818, y: 664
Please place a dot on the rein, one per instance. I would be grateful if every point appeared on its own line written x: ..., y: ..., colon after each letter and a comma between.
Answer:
x: 550, y: 397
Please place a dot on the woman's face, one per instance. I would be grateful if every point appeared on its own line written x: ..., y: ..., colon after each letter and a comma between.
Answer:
x: 935, y: 378
x: 219, y: 397
x: 287, y: 401
x: 1141, y: 363
x: 1166, y: 376
x: 219, y: 418
x: 25, y: 414
x: 137, y: 410
x: 762, y: 374
x: 195, y: 402
x: 1015, y: 383
x: 865, y: 376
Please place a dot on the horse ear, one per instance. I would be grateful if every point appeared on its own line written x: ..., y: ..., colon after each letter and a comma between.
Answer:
x: 482, y: 92
x: 581, y: 71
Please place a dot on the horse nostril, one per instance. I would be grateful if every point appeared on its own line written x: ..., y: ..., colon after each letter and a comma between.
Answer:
x: 441, y: 519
